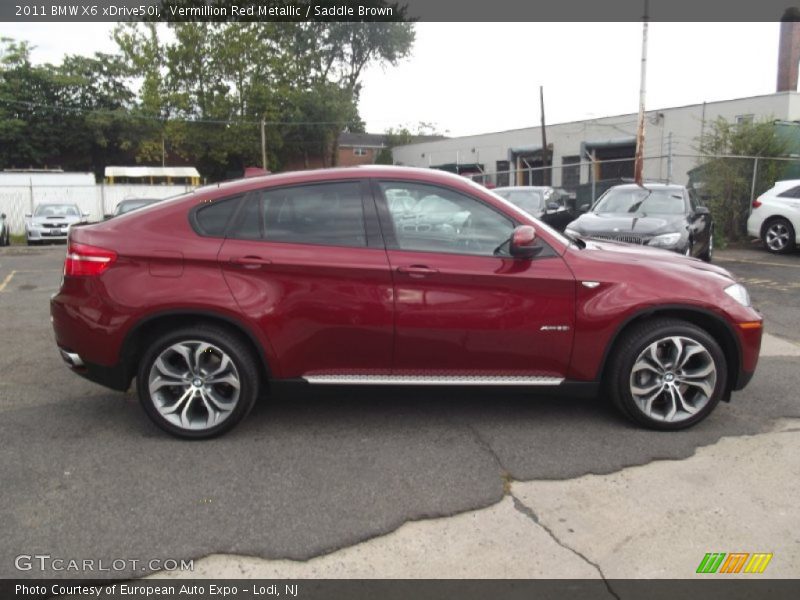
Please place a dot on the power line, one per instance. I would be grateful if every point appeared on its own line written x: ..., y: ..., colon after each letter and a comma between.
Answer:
x: 127, y: 114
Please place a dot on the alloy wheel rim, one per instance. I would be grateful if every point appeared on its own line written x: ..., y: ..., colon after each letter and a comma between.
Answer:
x: 194, y: 385
x: 777, y: 236
x: 673, y: 379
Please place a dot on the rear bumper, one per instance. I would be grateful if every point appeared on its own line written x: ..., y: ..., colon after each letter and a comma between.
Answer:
x: 115, y: 377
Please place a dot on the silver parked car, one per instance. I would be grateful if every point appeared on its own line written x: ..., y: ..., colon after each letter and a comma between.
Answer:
x: 51, y: 222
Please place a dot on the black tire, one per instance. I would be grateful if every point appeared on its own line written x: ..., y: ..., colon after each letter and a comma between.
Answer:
x: 778, y: 222
x: 708, y: 253
x: 240, y: 354
x: 629, y: 348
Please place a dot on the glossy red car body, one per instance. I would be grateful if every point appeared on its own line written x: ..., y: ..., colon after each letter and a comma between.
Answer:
x: 311, y: 310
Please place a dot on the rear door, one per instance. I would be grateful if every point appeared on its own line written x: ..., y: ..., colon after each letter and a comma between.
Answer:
x: 464, y: 308
x: 306, y: 262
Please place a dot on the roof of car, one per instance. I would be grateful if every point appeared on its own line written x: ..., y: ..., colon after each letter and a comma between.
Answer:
x: 387, y: 171
x: 650, y: 186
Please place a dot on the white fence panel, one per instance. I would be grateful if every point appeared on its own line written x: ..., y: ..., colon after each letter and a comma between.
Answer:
x: 16, y: 201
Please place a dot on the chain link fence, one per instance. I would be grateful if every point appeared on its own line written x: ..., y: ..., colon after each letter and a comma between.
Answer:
x: 726, y: 184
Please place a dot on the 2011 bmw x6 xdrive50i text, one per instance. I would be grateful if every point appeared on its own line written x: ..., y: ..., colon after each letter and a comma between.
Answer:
x: 208, y: 298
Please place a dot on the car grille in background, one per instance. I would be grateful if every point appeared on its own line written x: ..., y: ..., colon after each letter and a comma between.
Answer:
x: 54, y: 225
x: 627, y: 238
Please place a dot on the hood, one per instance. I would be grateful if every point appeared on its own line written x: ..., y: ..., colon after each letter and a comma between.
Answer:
x: 621, y: 253
x: 590, y: 223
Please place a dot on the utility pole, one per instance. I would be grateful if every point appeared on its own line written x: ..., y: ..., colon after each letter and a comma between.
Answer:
x: 263, y: 143
x: 669, y: 157
x: 638, y: 163
x: 545, y: 171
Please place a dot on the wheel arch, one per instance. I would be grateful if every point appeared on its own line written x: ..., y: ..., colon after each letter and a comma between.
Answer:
x: 707, y: 320
x: 160, y: 322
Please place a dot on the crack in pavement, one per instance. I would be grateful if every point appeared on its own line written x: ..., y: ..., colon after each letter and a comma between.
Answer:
x: 526, y: 510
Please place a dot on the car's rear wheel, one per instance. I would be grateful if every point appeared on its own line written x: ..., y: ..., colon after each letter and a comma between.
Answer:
x: 778, y: 236
x: 197, y: 382
x: 667, y: 374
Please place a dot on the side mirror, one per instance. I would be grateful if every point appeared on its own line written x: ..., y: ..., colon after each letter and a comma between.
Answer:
x: 3, y: 216
x: 106, y: 217
x: 584, y: 208
x: 701, y: 210
x: 523, y: 242
x: 28, y: 216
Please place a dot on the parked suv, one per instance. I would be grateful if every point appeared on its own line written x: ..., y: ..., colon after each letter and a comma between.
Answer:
x: 209, y: 298
x: 775, y: 217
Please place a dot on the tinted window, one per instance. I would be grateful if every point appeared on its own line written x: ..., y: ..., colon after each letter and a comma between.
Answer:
x: 434, y: 219
x: 791, y: 193
x: 329, y: 214
x: 213, y: 218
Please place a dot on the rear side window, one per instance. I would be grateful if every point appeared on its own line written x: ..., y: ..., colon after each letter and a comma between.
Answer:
x: 329, y: 214
x: 791, y: 193
x: 213, y: 218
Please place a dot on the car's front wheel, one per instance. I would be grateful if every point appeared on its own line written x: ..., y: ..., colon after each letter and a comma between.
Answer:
x: 778, y: 236
x: 197, y: 382
x: 667, y: 374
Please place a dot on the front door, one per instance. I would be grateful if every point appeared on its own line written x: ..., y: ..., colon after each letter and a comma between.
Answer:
x: 463, y: 306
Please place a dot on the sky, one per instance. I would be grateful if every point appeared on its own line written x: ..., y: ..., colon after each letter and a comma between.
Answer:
x: 469, y: 78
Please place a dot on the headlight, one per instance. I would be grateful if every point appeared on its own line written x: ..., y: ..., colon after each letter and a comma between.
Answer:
x: 666, y: 240
x: 739, y: 293
x: 572, y: 232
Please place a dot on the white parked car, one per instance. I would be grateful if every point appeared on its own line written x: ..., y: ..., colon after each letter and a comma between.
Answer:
x: 776, y: 216
x: 51, y: 222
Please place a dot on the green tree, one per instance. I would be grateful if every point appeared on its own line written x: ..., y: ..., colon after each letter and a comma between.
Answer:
x: 725, y: 182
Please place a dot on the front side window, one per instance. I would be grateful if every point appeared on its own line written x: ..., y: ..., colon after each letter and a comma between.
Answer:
x: 434, y: 219
x: 329, y: 214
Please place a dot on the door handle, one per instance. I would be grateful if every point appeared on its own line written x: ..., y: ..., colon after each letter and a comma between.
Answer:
x: 417, y: 270
x: 249, y: 262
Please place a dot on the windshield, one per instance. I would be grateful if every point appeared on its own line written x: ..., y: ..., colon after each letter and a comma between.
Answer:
x: 56, y: 210
x: 639, y: 200
x: 129, y: 205
x: 531, y: 201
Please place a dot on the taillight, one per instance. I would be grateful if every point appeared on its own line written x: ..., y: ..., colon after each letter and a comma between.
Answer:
x: 86, y: 260
x: 756, y: 203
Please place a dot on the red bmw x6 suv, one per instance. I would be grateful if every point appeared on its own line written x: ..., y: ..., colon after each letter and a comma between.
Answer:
x: 386, y: 275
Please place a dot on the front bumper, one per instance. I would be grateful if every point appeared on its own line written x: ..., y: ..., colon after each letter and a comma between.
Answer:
x: 45, y: 233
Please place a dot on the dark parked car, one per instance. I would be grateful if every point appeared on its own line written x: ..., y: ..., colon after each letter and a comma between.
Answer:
x: 655, y: 215
x: 126, y: 206
x: 208, y: 299
x: 545, y: 203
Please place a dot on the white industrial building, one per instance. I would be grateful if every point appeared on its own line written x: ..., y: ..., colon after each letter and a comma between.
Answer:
x: 596, y: 149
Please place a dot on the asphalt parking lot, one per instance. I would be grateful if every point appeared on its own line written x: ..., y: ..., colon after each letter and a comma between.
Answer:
x: 86, y: 475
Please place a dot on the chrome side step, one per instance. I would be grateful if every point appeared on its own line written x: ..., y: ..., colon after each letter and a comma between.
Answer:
x: 432, y: 380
